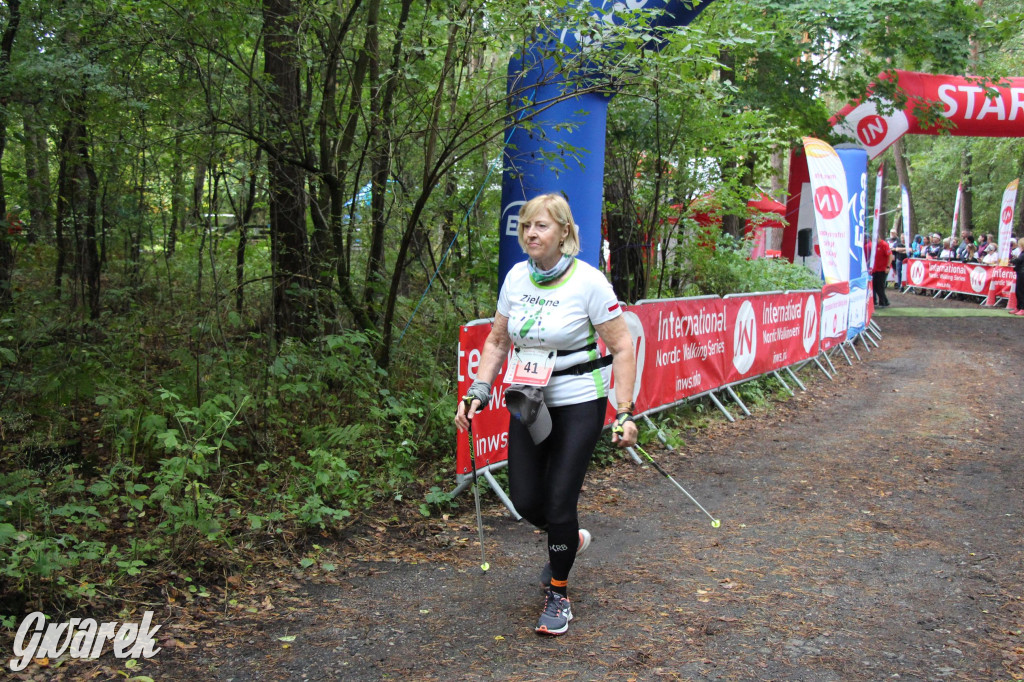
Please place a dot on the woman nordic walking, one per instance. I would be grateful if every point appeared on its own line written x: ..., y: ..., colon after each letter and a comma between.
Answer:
x: 551, y: 308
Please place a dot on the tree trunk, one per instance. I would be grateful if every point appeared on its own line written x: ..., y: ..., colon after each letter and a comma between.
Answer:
x: 625, y: 243
x: 735, y: 223
x: 967, y: 198
x: 381, y: 156
x: 198, y: 184
x: 903, y: 175
x: 882, y: 202
x: 6, y: 250
x: 243, y: 233
x: 37, y: 181
x: 76, y: 212
x: 89, y: 255
x: 286, y: 180
x: 777, y: 188
x: 1019, y: 229
x: 177, y: 197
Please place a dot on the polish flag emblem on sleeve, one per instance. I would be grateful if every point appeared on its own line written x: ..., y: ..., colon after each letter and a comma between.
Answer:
x: 613, y: 307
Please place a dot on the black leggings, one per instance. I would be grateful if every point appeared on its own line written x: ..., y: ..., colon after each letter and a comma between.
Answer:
x: 545, y: 479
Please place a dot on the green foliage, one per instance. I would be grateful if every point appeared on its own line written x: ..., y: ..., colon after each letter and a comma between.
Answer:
x: 315, y: 437
x: 435, y: 499
x: 725, y: 268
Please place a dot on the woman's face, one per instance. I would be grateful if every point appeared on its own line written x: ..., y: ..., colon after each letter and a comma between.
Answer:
x: 543, y: 237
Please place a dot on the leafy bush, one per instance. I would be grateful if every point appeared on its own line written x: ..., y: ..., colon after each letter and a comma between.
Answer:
x: 717, y: 263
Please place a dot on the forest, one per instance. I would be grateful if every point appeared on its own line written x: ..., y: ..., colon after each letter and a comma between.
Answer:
x: 237, y: 240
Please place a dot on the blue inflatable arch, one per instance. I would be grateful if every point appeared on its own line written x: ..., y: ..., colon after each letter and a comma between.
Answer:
x: 535, y: 161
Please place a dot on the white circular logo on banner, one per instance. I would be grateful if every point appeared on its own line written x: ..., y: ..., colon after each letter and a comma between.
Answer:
x: 744, y: 338
x: 810, y: 323
x: 978, y: 277
x: 917, y: 272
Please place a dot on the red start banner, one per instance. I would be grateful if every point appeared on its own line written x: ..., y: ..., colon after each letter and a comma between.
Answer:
x: 684, y: 348
x: 971, y: 106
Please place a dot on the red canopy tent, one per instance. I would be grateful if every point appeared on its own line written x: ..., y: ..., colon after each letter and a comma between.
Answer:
x: 764, y: 216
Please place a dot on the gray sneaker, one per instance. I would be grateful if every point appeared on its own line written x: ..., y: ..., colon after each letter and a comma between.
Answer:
x: 545, y: 573
x: 554, y: 620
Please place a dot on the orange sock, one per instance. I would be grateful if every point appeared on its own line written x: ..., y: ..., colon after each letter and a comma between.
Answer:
x: 560, y: 586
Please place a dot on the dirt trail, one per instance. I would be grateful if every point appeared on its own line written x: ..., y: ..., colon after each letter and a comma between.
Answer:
x: 871, y: 529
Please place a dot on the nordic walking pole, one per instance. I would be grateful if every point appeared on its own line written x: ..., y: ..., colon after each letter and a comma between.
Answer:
x: 715, y: 523
x: 476, y: 491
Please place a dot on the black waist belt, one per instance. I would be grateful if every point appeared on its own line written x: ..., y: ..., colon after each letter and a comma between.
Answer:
x: 583, y: 367
x: 589, y: 346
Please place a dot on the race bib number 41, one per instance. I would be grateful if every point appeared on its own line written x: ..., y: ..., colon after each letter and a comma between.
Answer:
x: 531, y: 366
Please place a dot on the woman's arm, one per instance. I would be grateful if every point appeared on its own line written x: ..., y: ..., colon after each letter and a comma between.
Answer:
x: 616, y: 336
x: 494, y: 353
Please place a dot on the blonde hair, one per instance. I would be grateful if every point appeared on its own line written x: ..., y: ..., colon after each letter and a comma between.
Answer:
x: 558, y: 208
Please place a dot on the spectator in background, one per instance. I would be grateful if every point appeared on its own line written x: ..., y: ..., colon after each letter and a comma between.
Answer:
x: 880, y: 272
x: 966, y: 239
x: 972, y: 254
x: 917, y: 246
x: 948, y: 249
x: 1017, y: 263
x: 934, y: 248
x: 899, y: 253
x: 991, y: 240
x: 1015, y: 251
x: 982, y: 243
x: 991, y: 256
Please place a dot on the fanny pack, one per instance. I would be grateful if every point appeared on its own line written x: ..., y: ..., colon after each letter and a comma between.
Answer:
x: 526, y: 405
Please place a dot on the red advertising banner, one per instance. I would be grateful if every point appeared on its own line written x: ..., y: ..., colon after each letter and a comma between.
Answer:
x: 965, y: 278
x: 769, y: 331
x: 870, y: 303
x: 490, y: 425
x: 682, y: 350
x: 835, y: 314
x: 991, y: 281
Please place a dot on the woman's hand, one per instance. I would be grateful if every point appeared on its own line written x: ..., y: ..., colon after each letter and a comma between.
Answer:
x: 625, y: 433
x: 463, y: 415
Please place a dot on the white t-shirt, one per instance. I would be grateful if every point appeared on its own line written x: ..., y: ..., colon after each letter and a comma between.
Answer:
x: 561, y: 317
